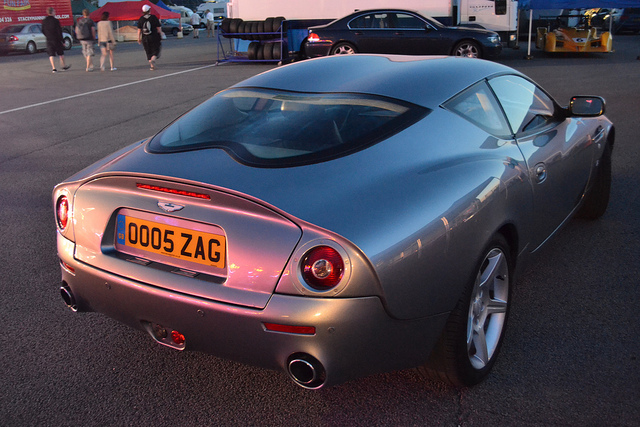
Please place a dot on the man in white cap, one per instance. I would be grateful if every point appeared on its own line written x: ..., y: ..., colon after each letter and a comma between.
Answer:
x: 150, y: 35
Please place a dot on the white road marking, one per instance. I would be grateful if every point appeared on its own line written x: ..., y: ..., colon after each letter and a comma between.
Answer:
x: 104, y: 89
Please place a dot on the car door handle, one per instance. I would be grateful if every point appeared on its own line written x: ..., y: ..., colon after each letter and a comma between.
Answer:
x: 399, y: 33
x: 358, y: 33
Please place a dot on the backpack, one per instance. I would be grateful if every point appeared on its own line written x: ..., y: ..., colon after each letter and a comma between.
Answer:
x: 83, y: 29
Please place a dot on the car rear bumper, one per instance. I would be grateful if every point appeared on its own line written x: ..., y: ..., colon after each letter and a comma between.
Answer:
x: 315, y: 50
x: 353, y: 337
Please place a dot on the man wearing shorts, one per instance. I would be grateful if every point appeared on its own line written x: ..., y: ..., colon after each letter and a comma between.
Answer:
x: 150, y: 35
x: 52, y: 30
x: 86, y: 33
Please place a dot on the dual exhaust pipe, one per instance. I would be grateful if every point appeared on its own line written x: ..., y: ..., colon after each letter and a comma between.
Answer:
x: 304, y: 369
x: 68, y: 298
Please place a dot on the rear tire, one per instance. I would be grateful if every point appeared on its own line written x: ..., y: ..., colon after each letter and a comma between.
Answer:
x: 471, y: 340
x: 343, y: 48
x: 597, y: 199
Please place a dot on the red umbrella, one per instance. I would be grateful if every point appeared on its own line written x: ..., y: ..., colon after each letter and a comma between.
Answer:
x: 131, y: 11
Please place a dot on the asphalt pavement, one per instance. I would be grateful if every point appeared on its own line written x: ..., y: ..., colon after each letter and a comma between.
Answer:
x: 570, y: 357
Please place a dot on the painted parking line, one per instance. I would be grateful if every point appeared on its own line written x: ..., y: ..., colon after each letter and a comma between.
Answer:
x: 105, y: 89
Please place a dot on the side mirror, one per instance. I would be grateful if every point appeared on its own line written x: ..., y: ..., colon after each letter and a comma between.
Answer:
x: 586, y: 106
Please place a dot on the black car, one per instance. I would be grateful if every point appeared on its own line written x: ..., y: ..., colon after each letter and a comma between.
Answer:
x: 394, y: 31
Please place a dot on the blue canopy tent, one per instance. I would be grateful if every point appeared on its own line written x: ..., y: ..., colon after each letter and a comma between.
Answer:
x: 570, y: 4
x: 575, y: 4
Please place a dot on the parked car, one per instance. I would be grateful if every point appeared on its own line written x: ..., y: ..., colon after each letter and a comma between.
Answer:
x: 368, y: 219
x: 172, y: 26
x: 624, y: 20
x: 399, y: 32
x: 27, y: 38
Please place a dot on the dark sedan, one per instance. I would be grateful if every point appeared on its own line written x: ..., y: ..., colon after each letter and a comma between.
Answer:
x: 399, y: 32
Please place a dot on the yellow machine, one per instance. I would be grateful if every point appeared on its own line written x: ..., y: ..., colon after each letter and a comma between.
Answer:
x: 573, y: 40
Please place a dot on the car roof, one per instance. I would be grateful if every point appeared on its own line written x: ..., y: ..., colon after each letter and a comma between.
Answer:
x: 423, y: 80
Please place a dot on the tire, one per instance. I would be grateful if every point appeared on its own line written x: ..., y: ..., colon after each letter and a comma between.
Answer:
x: 343, y: 48
x: 468, y: 49
x: 260, y: 29
x: 252, y: 50
x: 31, y: 47
x: 174, y: 31
x: 276, y: 24
x: 268, y: 27
x: 267, y: 51
x: 234, y: 24
x: 254, y: 29
x: 260, y: 53
x: 225, y: 25
x: 242, y: 28
x: 597, y: 199
x: 276, y: 53
x: 471, y: 340
x: 67, y: 43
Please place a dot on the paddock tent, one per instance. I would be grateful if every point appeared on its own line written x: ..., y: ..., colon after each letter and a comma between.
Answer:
x: 131, y: 11
x: 576, y: 4
x: 77, y: 6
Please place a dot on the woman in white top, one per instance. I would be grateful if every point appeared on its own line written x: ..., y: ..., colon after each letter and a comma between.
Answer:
x: 106, y: 40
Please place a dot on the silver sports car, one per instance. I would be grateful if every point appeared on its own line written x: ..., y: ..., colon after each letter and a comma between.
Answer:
x: 337, y: 217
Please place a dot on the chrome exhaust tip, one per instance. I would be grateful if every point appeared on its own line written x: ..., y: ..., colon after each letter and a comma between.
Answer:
x: 68, y: 298
x: 306, y: 371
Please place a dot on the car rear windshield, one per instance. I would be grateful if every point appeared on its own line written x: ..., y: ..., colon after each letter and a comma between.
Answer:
x: 268, y: 128
x: 12, y: 29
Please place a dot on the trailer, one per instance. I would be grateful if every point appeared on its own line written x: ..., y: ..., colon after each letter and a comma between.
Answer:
x: 34, y: 11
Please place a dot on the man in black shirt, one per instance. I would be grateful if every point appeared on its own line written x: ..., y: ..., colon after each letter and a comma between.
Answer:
x: 52, y: 30
x: 150, y: 35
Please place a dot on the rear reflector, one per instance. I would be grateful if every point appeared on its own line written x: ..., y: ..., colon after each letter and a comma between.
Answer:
x: 290, y: 329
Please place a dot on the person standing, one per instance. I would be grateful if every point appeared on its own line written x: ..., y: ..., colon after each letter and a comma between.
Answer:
x: 86, y: 33
x: 150, y: 35
x: 52, y: 30
x: 106, y: 40
x: 195, y: 22
x: 209, y: 23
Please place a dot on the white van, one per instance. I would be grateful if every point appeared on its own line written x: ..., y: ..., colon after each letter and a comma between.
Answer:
x: 185, y: 13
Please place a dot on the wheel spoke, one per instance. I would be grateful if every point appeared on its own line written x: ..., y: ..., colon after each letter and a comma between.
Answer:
x: 496, y: 306
x: 478, y: 347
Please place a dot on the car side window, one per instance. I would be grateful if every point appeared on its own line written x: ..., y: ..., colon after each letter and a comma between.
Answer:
x: 370, y: 21
x: 527, y: 107
x: 404, y: 20
x: 478, y: 105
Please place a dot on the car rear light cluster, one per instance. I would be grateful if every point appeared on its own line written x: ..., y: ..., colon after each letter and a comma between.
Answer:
x: 174, y: 191
x: 62, y: 212
x: 322, y: 268
x: 12, y: 39
x: 313, y: 38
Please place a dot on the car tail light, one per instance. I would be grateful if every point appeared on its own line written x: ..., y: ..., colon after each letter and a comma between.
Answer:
x: 13, y: 39
x: 62, y: 212
x: 322, y: 268
x: 313, y: 38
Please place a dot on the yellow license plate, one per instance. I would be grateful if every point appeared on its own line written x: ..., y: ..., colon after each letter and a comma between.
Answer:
x: 168, y: 240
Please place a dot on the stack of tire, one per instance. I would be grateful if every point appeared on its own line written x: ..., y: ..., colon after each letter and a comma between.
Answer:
x: 266, y: 36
